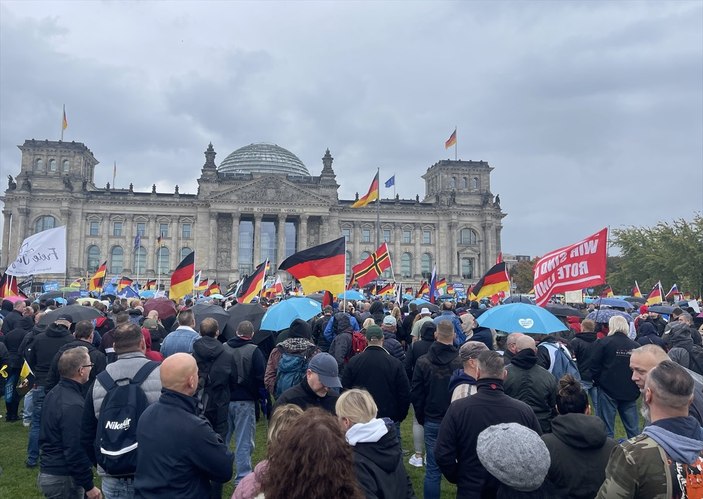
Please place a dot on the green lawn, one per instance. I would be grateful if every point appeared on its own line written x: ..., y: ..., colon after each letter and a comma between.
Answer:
x: 17, y: 481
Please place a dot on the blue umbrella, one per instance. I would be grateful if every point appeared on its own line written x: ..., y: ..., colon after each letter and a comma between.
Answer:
x: 614, y: 302
x: 279, y: 316
x: 351, y: 294
x: 147, y: 293
x: 521, y: 318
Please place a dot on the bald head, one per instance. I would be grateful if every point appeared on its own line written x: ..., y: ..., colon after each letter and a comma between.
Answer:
x: 525, y: 342
x: 643, y: 360
x: 511, y: 342
x: 179, y: 372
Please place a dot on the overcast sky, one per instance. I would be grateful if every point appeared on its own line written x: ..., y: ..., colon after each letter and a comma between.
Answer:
x: 591, y: 113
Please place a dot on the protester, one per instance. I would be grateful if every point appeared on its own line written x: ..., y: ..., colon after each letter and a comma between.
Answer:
x: 463, y: 381
x: 182, y: 338
x: 531, y: 383
x: 378, y: 461
x: 430, y: 396
x: 13, y: 317
x: 510, y: 347
x: 313, y: 461
x: 666, y: 459
x: 285, y: 416
x: 179, y: 467
x: 341, y: 347
x: 315, y: 390
x: 107, y: 341
x: 611, y: 374
x: 447, y: 314
x: 149, y: 352
x: 467, y: 418
x: 318, y: 329
x: 424, y: 316
x: 296, y: 351
x: 648, y: 334
x: 583, y: 345
x: 244, y: 394
x: 390, y: 341
x: 576, y: 437
x: 65, y: 469
x: 15, y: 361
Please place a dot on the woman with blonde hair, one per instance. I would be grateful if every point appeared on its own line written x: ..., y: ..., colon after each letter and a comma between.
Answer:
x: 378, y: 460
x: 283, y: 417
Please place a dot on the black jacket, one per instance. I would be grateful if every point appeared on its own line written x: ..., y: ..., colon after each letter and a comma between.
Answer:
x: 534, y: 385
x: 611, y: 367
x: 59, y: 436
x: 180, y: 454
x: 13, y: 342
x: 303, y: 396
x: 42, y: 349
x: 582, y: 347
x: 455, y: 451
x: 579, y: 449
x: 217, y: 372
x: 429, y: 390
x: 393, y: 346
x: 12, y: 319
x: 97, y: 358
x: 250, y: 371
x: 420, y: 347
x: 406, y: 327
x: 380, y: 470
x: 384, y: 377
x: 647, y: 334
x: 484, y: 335
x: 317, y: 337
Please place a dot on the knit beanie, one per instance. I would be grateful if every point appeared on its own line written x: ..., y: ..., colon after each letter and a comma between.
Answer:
x: 515, y: 455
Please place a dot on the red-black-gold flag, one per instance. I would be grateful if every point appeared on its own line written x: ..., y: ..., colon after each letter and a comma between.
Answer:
x: 320, y: 268
x: 253, y: 284
x: 495, y: 281
x: 182, y: 278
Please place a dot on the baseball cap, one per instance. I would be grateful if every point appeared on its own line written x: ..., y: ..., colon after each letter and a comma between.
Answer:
x: 374, y: 332
x: 325, y: 366
x: 425, y: 311
x: 64, y: 320
x: 389, y: 320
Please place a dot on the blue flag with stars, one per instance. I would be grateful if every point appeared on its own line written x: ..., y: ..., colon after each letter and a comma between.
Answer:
x: 390, y: 182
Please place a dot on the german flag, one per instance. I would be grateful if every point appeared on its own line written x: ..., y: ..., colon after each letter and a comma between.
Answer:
x: 203, y: 285
x: 76, y: 283
x: 409, y: 291
x: 8, y: 286
x: 607, y: 292
x: 636, y: 291
x: 212, y: 289
x: 655, y: 296
x: 251, y: 287
x: 320, y: 267
x: 373, y: 266
x: 124, y: 282
x: 96, y: 282
x: 370, y: 197
x: 424, y: 289
x: 451, y: 140
x: 385, y: 290
x: 495, y: 281
x: 182, y: 278
x: 441, y: 284
x: 150, y: 284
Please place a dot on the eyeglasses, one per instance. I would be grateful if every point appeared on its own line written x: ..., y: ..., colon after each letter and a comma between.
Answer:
x: 88, y: 365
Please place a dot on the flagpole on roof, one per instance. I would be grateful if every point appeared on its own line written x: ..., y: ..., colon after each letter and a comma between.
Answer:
x: 394, y: 194
x: 456, y: 145
x: 378, y: 209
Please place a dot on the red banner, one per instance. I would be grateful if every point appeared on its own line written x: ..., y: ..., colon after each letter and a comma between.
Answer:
x: 571, y: 268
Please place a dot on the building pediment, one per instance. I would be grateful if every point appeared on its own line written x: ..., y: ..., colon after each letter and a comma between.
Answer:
x: 272, y: 189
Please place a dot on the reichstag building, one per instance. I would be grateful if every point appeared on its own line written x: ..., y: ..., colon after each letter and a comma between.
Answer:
x: 260, y: 202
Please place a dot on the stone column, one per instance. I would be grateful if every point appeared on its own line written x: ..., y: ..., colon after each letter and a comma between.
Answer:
x: 303, y: 233
x: 212, y: 250
x: 6, y: 238
x: 151, y: 260
x: 396, y: 254
x: 357, y: 240
x: 22, y: 230
x: 70, y: 249
x: 451, y: 247
x: 130, y: 255
x: 280, y: 238
x: 104, y: 246
x: 235, y: 241
x: 257, y: 239
x: 417, y: 258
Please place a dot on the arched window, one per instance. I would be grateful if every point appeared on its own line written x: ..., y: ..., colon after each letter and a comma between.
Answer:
x: 65, y: 166
x: 38, y: 164
x: 184, y: 253
x: 467, y: 268
x: 349, y: 263
x: 406, y: 265
x: 468, y: 237
x: 116, y: 260
x: 52, y: 165
x: 140, y: 260
x: 365, y: 255
x: 474, y: 184
x: 44, y: 222
x: 465, y: 183
x: 452, y: 183
x: 162, y: 264
x: 426, y: 265
x: 93, y: 254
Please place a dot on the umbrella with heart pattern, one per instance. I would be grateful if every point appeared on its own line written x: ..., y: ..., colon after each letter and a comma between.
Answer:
x: 521, y: 318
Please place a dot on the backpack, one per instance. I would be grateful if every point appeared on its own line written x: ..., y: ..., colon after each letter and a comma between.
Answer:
x: 561, y: 362
x: 116, y: 437
x: 695, y: 359
x: 291, y: 370
x: 358, y: 345
x: 243, y: 359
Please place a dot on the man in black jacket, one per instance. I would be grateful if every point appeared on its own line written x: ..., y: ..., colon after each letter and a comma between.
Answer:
x: 39, y: 355
x: 314, y: 389
x: 13, y: 317
x: 13, y: 342
x: 65, y: 468
x: 467, y: 417
x: 583, y: 346
x: 430, y: 396
x: 382, y: 375
x: 179, y: 452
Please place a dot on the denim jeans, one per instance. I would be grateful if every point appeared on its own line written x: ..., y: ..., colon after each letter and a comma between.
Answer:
x: 607, y: 407
x: 28, y: 407
x: 117, y: 488
x: 12, y: 398
x: 59, y: 487
x: 242, y: 424
x: 38, y: 394
x: 592, y: 392
x: 433, y: 477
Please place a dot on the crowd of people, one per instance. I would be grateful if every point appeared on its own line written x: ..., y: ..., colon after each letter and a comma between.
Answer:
x: 154, y: 405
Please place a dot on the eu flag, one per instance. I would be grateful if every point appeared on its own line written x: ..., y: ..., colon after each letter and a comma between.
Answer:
x: 390, y: 182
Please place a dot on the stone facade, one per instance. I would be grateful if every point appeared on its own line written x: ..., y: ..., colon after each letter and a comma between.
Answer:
x: 237, y: 218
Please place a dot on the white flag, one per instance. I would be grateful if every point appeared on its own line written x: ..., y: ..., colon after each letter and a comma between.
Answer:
x: 42, y: 253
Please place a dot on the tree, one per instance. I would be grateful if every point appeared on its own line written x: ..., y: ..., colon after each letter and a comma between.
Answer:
x: 522, y: 276
x: 668, y: 252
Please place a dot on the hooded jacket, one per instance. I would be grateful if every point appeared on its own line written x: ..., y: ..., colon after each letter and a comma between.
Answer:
x: 582, y: 439
x: 611, y: 367
x: 41, y: 351
x: 484, y: 335
x: 10, y: 321
x: 582, y: 347
x: 378, y: 460
x: 251, y: 366
x: 295, y: 346
x: 303, y: 396
x: 466, y: 383
x: 419, y: 348
x: 97, y: 358
x: 217, y: 371
x: 534, y: 385
x: 13, y: 342
x: 429, y: 390
x: 679, y: 336
x: 393, y: 346
x: 647, y: 335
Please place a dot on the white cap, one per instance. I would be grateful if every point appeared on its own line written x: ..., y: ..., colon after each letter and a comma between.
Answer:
x: 425, y: 311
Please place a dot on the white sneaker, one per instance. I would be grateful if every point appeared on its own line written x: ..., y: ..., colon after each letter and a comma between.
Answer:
x: 416, y: 461
x: 27, y: 424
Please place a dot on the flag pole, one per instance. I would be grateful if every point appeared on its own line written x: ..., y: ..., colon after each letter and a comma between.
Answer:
x: 114, y: 173
x: 158, y: 268
x: 63, y: 121
x: 394, y: 194
x: 378, y: 210
x: 456, y: 144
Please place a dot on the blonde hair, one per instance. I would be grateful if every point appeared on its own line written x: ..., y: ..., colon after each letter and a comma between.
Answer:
x: 368, y: 322
x: 618, y: 324
x: 283, y: 417
x: 356, y: 405
x: 396, y: 313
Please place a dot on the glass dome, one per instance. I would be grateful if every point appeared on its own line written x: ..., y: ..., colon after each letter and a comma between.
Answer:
x: 263, y: 158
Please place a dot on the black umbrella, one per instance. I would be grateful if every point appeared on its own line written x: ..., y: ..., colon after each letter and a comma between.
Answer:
x: 77, y: 312
x: 316, y: 296
x: 51, y: 295
x: 519, y: 299
x: 252, y: 312
x: 564, y: 310
x: 636, y: 299
x: 662, y: 309
x: 206, y: 310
